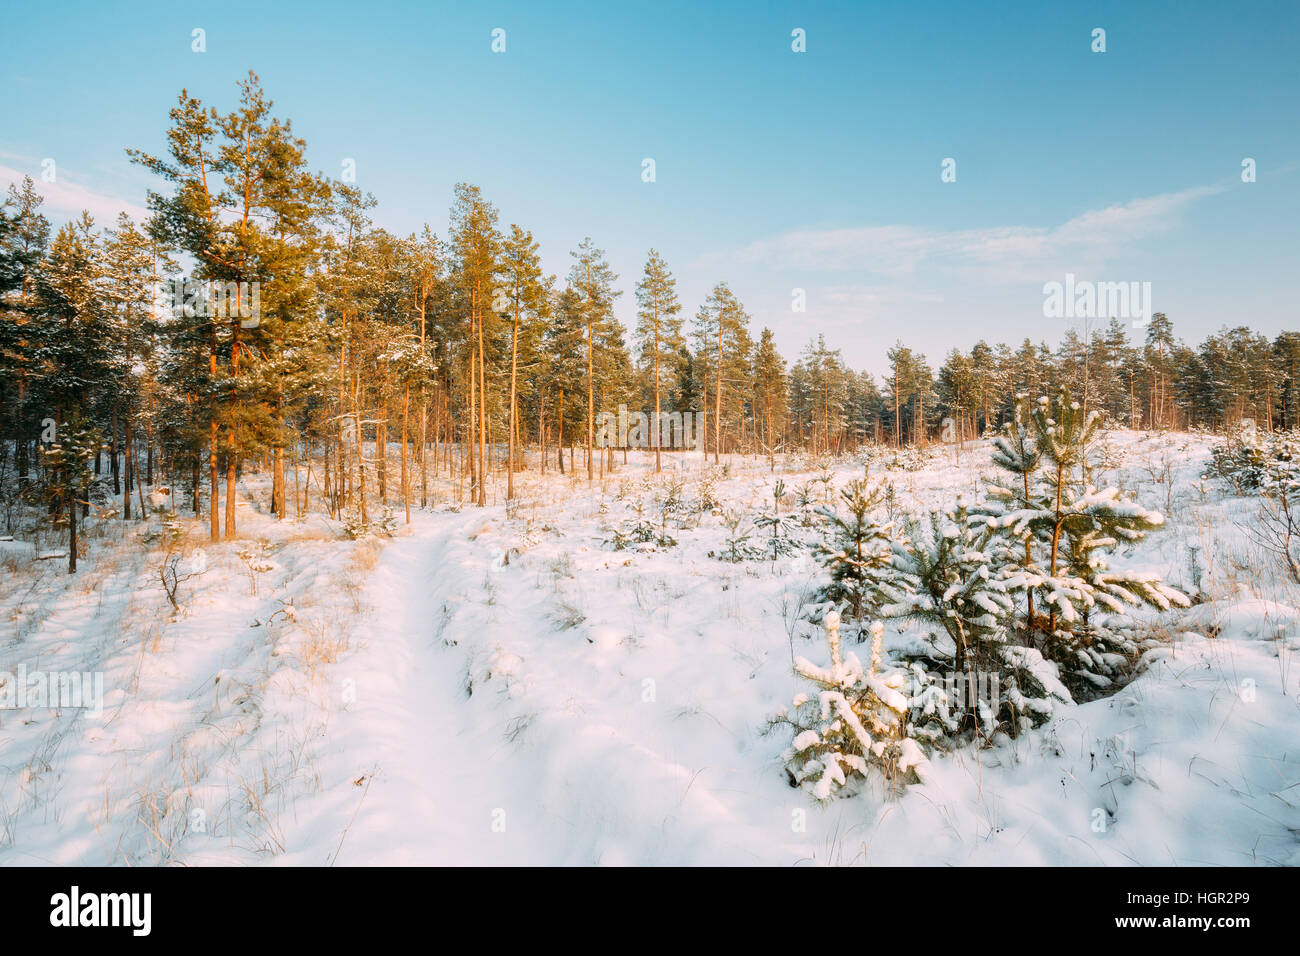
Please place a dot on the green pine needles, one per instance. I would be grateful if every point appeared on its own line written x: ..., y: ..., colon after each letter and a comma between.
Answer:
x: 1060, y: 529
x: 859, y: 553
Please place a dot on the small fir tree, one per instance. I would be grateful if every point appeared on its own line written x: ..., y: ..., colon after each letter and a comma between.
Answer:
x: 1068, y: 527
x: 854, y: 720
x: 779, y: 528
x: 962, y: 590
x: 859, y: 553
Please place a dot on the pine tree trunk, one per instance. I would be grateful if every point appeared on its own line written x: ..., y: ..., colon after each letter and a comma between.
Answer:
x: 1056, y: 539
x: 482, y: 419
x: 469, y: 461
x: 279, y: 482
x: 214, y: 485
x: 658, y: 429
x: 717, y: 401
x: 126, y: 494
x: 406, y: 482
x: 424, y: 451
x: 591, y: 399
x: 112, y: 451
x: 231, y: 471
x: 139, y: 493
x: 360, y: 444
x: 72, y: 531
x: 381, y: 441
x: 514, y: 370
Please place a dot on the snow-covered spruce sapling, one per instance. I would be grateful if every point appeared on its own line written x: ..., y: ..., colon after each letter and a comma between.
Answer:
x: 639, y: 529
x: 737, y: 547
x: 1068, y: 527
x: 1013, y: 490
x: 778, y: 528
x: 673, y: 506
x: 356, y: 526
x: 852, y: 721
x: 961, y: 590
x: 859, y: 553
x: 1087, y: 523
x: 827, y: 480
x: 1241, y: 460
x: 631, y: 531
x: 891, y: 501
x: 805, y: 499
x: 959, y: 582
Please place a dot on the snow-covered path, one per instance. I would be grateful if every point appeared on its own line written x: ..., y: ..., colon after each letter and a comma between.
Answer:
x: 546, y: 761
x: 432, y: 780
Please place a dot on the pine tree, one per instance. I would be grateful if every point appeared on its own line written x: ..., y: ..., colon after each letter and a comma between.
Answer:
x: 769, y: 393
x: 823, y: 387
x: 72, y: 355
x: 1015, y: 490
x: 958, y: 585
x: 779, y: 529
x: 659, y: 330
x: 23, y: 245
x: 522, y: 273
x: 564, y: 357
x: 853, y: 721
x: 983, y: 360
x: 723, y: 345
x: 687, y: 392
x: 130, y: 265
x: 1160, y: 337
x: 1067, y: 526
x: 67, y: 462
x: 73, y: 344
x: 188, y: 221
x: 859, y: 553
x: 964, y: 583
x: 241, y: 207
x: 903, y: 382
x: 614, y: 376
x: 1286, y: 349
x: 424, y: 256
x: 864, y: 409
x: 476, y: 248
x: 593, y: 280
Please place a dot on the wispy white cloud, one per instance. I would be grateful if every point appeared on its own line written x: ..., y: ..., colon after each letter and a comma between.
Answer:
x: 995, y: 254
x: 65, y: 199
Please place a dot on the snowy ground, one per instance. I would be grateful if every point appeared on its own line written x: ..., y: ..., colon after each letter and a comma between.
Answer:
x: 498, y: 686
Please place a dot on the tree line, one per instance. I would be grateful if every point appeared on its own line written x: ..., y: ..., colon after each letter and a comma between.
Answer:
x: 299, y: 336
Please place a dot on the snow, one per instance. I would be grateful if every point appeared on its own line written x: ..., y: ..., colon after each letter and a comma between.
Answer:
x: 505, y: 688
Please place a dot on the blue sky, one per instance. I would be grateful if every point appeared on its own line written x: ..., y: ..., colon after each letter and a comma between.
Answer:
x: 775, y: 170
